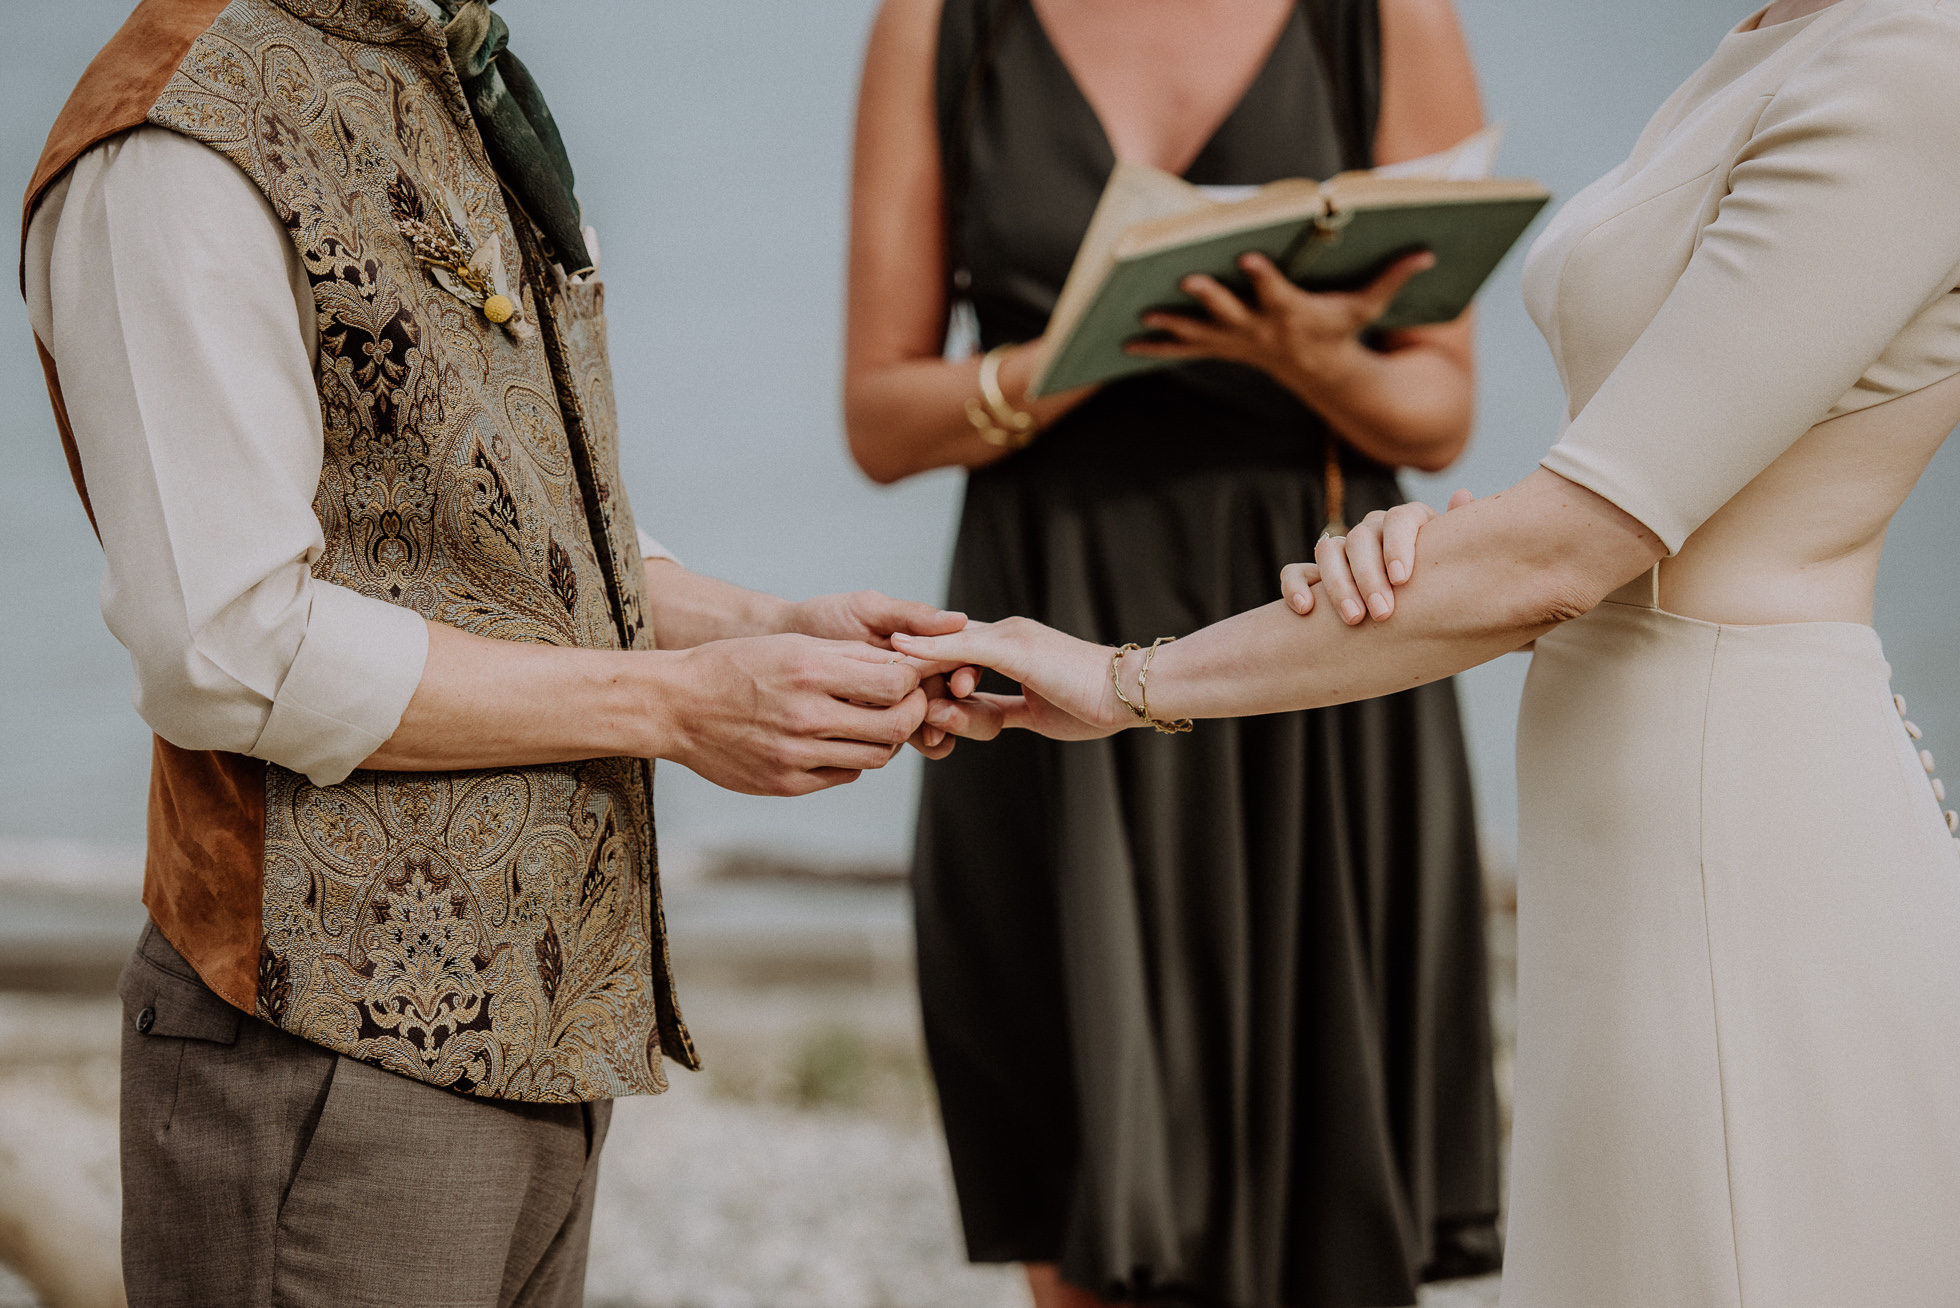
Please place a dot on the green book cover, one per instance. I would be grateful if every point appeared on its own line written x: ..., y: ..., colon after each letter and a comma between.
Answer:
x: 1336, y: 237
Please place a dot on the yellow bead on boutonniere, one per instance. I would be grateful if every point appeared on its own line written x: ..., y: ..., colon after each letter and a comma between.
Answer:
x: 472, y: 273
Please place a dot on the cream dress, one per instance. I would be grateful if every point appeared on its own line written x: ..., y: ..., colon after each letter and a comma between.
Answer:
x: 1738, y: 1077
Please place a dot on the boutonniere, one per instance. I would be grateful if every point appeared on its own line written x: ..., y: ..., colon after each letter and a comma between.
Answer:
x: 471, y: 272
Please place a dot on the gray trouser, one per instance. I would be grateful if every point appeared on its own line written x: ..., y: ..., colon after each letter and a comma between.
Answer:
x: 261, y: 1169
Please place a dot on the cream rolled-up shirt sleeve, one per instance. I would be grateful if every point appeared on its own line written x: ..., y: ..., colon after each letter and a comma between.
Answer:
x: 651, y: 549
x: 1840, y: 226
x: 177, y: 312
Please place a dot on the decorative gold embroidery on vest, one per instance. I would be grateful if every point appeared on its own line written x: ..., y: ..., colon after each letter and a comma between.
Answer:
x: 495, y: 932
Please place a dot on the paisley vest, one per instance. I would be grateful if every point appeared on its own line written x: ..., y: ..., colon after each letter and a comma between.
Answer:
x: 497, y: 932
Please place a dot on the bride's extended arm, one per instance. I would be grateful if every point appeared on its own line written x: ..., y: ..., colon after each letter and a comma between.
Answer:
x: 1495, y: 574
x: 1768, y: 326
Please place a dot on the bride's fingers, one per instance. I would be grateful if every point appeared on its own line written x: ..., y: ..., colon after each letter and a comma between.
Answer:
x: 941, y: 656
x: 1014, y: 710
x: 1031, y: 712
x: 987, y: 645
x: 1365, y: 562
x: 978, y: 718
x: 1336, y: 579
x: 1399, y: 539
x: 932, y: 742
x: 1296, y: 583
x: 1461, y: 498
x: 963, y: 682
x: 935, y: 654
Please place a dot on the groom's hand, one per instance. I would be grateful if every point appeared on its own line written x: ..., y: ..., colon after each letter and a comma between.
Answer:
x: 867, y: 616
x: 790, y: 714
x: 953, y: 710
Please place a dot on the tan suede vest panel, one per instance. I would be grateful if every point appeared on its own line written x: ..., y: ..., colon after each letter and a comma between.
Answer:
x: 494, y: 932
x: 206, y: 862
x: 52, y: 375
x: 207, y: 811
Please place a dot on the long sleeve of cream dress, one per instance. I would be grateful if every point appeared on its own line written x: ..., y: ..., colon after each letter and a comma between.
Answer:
x: 1738, y: 1072
x: 1705, y: 317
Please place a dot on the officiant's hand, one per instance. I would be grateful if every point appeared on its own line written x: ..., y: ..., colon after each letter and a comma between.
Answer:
x: 1310, y: 341
x: 1360, y: 571
x: 873, y: 618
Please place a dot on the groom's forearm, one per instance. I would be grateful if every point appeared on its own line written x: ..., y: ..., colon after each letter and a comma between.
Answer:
x: 498, y: 703
x: 1490, y: 577
x: 688, y: 609
x: 778, y: 715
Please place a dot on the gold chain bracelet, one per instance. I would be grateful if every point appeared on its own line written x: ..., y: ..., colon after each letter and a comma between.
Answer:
x: 1142, y: 709
x: 999, y: 423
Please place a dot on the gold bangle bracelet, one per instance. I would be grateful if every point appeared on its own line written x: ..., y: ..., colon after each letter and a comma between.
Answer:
x: 999, y: 423
x: 1174, y: 727
x: 1142, y: 709
x: 1116, y: 678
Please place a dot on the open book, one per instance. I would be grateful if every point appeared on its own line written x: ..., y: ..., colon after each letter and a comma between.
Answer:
x: 1151, y: 230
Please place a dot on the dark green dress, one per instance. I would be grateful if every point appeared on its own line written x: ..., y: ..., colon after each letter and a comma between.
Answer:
x: 1207, y: 1013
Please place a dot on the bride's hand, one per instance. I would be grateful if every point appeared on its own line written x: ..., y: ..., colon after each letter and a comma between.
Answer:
x: 1066, y: 692
x: 1360, y: 571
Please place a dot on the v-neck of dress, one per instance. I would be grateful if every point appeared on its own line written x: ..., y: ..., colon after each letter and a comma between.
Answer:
x: 1231, y: 115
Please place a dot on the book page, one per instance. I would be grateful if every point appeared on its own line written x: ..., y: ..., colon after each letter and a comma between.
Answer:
x: 1293, y: 198
x: 1361, y: 190
x: 1473, y: 159
x: 1135, y: 193
x: 1229, y: 194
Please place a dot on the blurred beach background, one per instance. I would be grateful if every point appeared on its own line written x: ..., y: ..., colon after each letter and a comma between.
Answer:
x: 712, y: 144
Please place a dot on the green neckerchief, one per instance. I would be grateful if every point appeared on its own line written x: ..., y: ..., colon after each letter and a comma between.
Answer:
x: 516, y: 127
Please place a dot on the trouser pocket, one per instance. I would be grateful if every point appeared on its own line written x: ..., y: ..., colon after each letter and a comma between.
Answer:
x: 164, y: 1006
x: 411, y: 1194
x: 213, y: 1105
